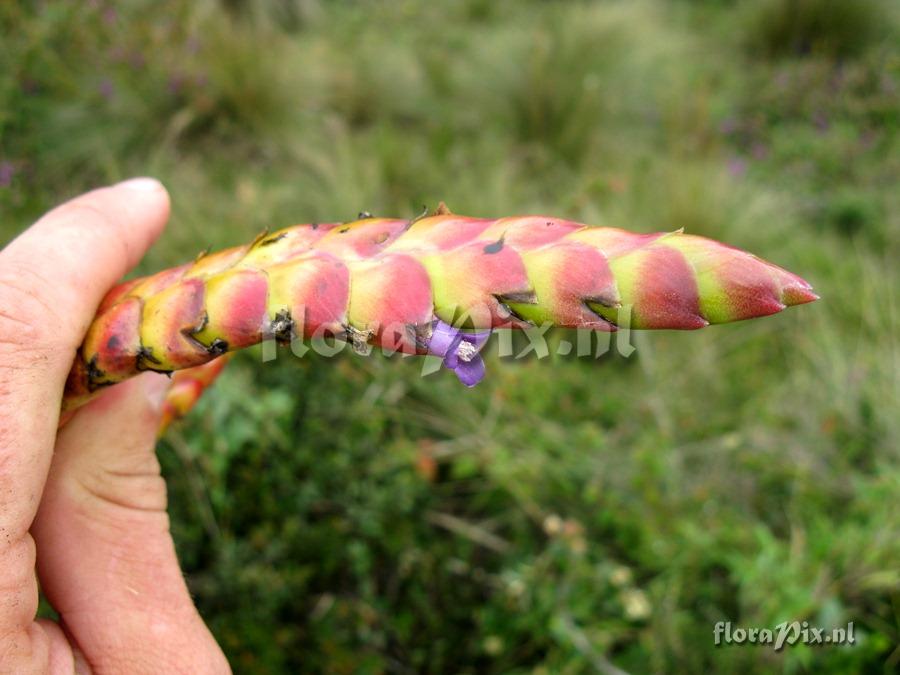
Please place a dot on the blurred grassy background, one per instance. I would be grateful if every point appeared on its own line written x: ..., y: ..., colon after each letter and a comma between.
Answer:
x: 568, y: 515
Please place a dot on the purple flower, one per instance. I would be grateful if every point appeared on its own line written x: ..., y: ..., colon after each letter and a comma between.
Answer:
x: 729, y: 126
x: 176, y: 83
x: 459, y: 351
x: 759, y: 151
x: 820, y: 120
x: 136, y: 60
x: 737, y: 167
x: 7, y: 171
x: 106, y: 88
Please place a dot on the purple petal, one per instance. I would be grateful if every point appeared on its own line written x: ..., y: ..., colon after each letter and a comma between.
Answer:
x: 7, y: 171
x: 477, y: 339
x: 471, y: 372
x: 444, y: 339
x: 445, y: 342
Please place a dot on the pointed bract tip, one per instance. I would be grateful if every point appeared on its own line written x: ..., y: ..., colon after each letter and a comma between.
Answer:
x: 795, y: 290
x: 442, y: 210
x: 799, y: 296
x: 798, y: 293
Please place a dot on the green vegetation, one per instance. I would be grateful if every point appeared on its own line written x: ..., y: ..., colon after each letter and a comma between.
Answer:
x: 349, y: 516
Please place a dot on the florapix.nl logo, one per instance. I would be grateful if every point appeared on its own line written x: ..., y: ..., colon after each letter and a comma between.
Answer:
x: 786, y: 633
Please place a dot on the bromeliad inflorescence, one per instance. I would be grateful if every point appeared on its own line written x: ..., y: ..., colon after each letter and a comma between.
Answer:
x: 438, y: 284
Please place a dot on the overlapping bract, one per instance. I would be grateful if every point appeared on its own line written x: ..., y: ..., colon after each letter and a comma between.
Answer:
x: 384, y: 281
x: 187, y: 387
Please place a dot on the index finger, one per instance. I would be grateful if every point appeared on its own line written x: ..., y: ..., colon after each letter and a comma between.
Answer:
x: 52, y: 278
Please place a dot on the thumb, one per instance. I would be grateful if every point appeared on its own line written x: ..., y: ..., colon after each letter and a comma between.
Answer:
x: 105, y: 556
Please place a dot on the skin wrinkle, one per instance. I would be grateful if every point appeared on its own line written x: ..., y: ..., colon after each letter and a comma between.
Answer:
x: 21, y: 280
x: 63, y: 656
x: 5, y: 317
x: 18, y: 588
x: 155, y: 497
x: 14, y: 513
x: 28, y: 358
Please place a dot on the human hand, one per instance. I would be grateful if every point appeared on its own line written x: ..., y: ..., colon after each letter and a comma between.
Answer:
x: 87, y: 503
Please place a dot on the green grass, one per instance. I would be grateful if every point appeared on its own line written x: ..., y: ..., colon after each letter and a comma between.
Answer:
x: 580, y: 512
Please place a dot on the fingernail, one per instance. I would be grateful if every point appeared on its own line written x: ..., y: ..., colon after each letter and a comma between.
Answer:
x: 156, y: 387
x: 142, y: 184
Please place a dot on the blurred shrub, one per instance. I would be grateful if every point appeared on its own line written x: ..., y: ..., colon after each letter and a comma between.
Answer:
x: 567, y: 77
x: 290, y: 15
x: 851, y: 212
x: 832, y: 133
x: 834, y: 28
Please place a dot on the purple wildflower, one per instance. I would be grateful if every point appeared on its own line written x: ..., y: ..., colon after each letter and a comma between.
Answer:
x: 759, y: 151
x: 176, y: 83
x: 783, y: 80
x: 137, y: 60
x: 7, y: 171
x: 820, y: 120
x: 737, y: 167
x: 459, y: 350
x: 729, y: 126
x: 106, y: 88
